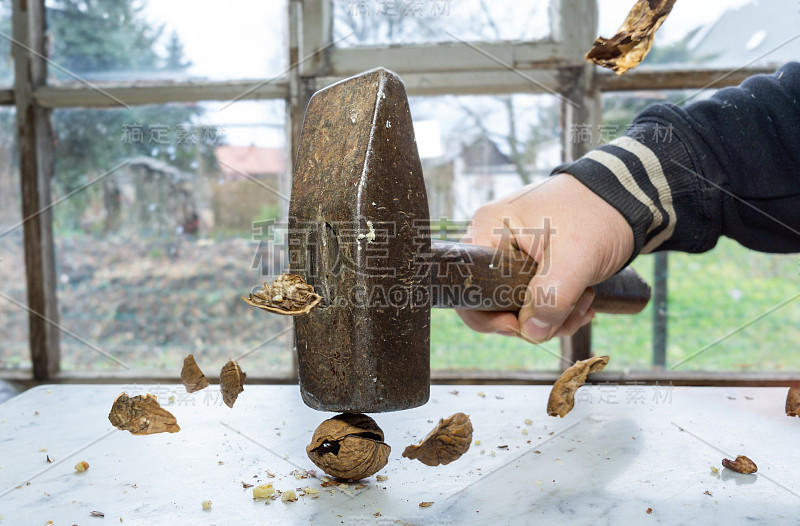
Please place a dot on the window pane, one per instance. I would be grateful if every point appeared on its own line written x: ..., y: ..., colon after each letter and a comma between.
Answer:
x: 709, y: 295
x: 475, y: 149
x: 730, y: 33
x: 154, y: 255
x: 14, y: 353
x: 6, y: 62
x: 383, y: 22
x: 99, y: 40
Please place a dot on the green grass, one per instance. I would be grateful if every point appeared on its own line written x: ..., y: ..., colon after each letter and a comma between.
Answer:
x: 710, y: 296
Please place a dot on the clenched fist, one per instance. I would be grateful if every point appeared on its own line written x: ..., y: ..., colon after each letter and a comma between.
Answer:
x: 577, y: 239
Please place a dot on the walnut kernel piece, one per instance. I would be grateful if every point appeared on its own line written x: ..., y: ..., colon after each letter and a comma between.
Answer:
x: 634, y: 38
x: 289, y: 496
x: 289, y: 294
x: 742, y: 464
x: 793, y: 402
x: 141, y: 415
x: 562, y: 396
x: 264, y: 491
x: 192, y: 377
x: 231, y: 382
x: 349, y: 446
x: 426, y: 504
x: 81, y: 466
x: 449, y: 440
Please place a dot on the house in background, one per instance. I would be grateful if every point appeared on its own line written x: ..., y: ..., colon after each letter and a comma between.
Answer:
x: 477, y: 172
x: 241, y: 162
x: 251, y: 180
x: 761, y: 33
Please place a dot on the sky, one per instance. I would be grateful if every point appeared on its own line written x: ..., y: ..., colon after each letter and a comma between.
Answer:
x: 685, y: 16
x: 240, y: 39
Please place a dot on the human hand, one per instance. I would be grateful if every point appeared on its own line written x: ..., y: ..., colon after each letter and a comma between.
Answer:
x: 577, y: 239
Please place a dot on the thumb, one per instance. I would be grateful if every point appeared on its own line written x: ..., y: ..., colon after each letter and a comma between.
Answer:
x: 557, y: 289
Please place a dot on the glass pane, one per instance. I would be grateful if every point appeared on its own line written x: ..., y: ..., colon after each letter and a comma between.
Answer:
x: 709, y: 295
x: 712, y: 298
x: 730, y: 33
x: 384, y: 22
x: 103, y: 40
x: 15, y: 351
x: 6, y: 62
x: 155, y: 253
x: 475, y: 149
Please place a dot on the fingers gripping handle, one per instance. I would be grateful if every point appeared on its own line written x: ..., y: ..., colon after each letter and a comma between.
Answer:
x: 483, y: 278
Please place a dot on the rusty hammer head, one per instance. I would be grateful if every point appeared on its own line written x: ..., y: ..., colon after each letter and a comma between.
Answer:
x: 358, y: 225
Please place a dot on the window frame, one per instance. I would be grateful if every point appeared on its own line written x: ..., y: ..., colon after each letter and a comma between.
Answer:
x: 552, y: 65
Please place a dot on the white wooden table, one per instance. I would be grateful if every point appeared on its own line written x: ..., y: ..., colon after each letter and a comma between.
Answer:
x: 623, y: 450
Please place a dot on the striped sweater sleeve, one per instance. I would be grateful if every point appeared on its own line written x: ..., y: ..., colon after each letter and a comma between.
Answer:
x: 728, y: 165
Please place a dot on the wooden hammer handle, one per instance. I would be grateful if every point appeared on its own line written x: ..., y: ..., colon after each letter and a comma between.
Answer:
x: 471, y: 277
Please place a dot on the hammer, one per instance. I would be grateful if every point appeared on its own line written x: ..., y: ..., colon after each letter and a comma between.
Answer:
x: 359, y: 232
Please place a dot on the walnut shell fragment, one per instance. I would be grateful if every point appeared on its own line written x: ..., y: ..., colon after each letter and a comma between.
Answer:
x: 562, y: 396
x: 231, y: 382
x: 449, y: 440
x: 289, y: 295
x: 141, y: 415
x: 349, y: 446
x: 793, y: 402
x: 742, y: 464
x: 634, y: 38
x: 191, y: 376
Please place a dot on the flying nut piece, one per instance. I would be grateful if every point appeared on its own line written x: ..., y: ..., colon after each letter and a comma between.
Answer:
x: 289, y: 295
x: 449, y: 440
x: 231, y: 382
x: 634, y: 38
x: 192, y: 377
x: 562, y: 396
x: 793, y: 402
x: 141, y: 415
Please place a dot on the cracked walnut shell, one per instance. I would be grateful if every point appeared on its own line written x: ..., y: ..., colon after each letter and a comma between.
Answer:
x: 793, y: 402
x: 141, y: 415
x: 449, y: 440
x: 349, y: 446
x: 289, y: 294
x: 742, y: 464
x: 231, y: 382
x: 562, y: 396
x: 626, y: 49
x: 191, y: 376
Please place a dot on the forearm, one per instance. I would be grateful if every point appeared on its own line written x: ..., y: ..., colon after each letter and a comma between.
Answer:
x: 729, y: 166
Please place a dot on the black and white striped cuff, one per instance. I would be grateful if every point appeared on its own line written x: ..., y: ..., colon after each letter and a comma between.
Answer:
x: 630, y: 175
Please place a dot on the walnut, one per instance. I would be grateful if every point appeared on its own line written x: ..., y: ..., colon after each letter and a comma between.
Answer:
x: 793, y: 402
x: 562, y: 396
x: 192, y: 377
x: 449, y: 440
x: 289, y: 295
x: 231, y: 382
x: 742, y: 464
x: 349, y: 446
x: 141, y: 415
x: 634, y: 38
